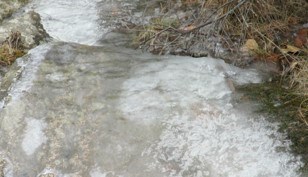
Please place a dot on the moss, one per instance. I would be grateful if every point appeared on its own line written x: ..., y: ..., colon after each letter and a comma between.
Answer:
x: 283, y: 106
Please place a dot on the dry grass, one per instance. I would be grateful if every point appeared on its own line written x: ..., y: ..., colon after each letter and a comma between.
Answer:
x: 11, y: 49
x: 299, y: 80
x: 232, y: 20
x: 257, y: 19
x: 268, y: 22
x: 299, y: 77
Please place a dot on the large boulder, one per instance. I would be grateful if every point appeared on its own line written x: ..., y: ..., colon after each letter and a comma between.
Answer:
x: 30, y: 27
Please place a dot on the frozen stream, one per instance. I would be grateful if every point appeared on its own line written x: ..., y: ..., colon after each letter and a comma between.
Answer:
x: 103, y: 111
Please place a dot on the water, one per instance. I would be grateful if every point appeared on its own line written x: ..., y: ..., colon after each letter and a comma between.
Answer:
x: 106, y: 111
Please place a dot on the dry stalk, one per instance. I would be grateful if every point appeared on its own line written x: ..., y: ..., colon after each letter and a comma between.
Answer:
x: 303, y: 110
x: 13, y: 41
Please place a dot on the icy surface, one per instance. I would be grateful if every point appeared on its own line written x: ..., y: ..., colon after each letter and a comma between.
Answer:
x: 97, y: 173
x: 76, y: 110
x: 28, y: 67
x: 132, y: 114
x: 203, y: 134
x: 70, y: 20
x: 34, y: 136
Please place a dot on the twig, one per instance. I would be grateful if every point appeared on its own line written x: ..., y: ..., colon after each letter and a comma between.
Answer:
x: 301, y: 113
x: 202, y: 25
x: 221, y: 17
x: 164, y: 30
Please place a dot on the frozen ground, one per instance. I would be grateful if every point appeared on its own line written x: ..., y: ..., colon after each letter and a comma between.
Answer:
x: 80, y: 110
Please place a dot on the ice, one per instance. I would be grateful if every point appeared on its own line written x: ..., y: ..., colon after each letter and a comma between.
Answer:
x: 34, y: 136
x: 70, y: 20
x: 76, y: 110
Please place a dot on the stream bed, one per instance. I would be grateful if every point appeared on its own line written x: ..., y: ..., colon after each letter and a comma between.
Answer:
x: 80, y: 107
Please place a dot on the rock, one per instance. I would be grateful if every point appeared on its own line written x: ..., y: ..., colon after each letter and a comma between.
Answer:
x: 7, y: 8
x: 2, y: 165
x: 30, y: 27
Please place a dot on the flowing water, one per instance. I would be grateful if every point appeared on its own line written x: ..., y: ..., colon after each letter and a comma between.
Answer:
x: 80, y: 107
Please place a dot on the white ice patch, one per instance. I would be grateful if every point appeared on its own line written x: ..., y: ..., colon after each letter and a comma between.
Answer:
x: 55, y: 173
x: 216, y: 144
x: 156, y: 89
x: 14, y: 108
x: 28, y: 69
x: 47, y: 171
x: 70, y: 20
x: 34, y: 136
x: 242, y: 76
x: 97, y: 173
x: 203, y: 134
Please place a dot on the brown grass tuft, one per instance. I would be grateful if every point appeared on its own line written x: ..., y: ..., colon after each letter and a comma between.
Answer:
x: 11, y: 49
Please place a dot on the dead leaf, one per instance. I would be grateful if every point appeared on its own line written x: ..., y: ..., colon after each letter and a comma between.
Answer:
x: 249, y: 46
x: 273, y: 57
x: 301, y: 39
x: 188, y: 28
x: 290, y: 49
